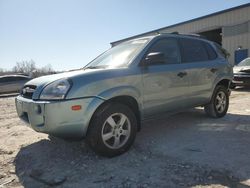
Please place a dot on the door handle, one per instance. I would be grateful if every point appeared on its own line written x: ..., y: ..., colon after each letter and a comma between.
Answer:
x: 213, y: 70
x: 182, y: 74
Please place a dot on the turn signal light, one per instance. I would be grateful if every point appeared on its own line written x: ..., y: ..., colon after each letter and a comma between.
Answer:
x: 76, y: 107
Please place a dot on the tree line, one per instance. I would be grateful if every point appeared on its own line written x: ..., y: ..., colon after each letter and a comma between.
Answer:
x: 29, y: 68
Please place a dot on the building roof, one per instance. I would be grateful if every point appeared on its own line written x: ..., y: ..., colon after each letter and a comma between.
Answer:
x: 188, y: 21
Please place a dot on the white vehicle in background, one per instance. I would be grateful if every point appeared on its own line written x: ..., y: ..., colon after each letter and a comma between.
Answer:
x: 12, y: 83
x: 241, y: 74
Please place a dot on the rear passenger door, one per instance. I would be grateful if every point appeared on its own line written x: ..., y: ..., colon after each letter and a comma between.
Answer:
x: 165, y: 84
x: 203, y: 66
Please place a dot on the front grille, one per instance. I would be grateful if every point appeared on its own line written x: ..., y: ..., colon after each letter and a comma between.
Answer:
x: 27, y: 91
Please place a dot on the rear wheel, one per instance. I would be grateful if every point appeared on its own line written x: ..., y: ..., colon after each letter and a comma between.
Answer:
x: 219, y: 103
x: 112, y: 130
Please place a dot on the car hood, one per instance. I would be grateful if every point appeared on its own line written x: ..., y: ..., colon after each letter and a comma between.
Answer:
x: 241, y: 69
x: 44, y: 80
x: 79, y: 78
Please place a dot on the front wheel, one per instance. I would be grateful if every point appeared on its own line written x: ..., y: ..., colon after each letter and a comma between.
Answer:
x: 112, y: 130
x: 219, y: 103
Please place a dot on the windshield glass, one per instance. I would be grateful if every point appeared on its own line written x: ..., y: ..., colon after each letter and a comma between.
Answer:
x: 119, y: 55
x: 245, y: 62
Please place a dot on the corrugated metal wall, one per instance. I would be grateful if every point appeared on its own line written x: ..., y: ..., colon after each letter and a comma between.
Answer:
x: 234, y: 18
x: 233, y: 42
x: 225, y: 19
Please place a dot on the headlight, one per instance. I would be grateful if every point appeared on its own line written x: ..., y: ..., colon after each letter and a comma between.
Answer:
x: 56, y: 90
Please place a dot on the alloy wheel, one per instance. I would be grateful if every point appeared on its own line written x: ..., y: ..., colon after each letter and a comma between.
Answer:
x: 220, y: 102
x: 116, y: 130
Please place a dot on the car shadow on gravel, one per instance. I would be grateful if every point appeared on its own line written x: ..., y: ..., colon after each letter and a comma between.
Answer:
x: 170, y: 154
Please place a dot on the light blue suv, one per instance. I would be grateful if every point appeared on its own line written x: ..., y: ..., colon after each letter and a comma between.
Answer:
x: 107, y: 100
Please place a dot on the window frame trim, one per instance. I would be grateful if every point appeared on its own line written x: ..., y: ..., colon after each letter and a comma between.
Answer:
x: 142, y: 63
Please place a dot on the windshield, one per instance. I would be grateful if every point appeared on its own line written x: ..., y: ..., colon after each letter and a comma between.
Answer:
x: 245, y: 62
x: 119, y: 55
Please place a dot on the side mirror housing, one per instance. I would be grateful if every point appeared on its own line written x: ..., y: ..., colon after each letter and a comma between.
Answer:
x: 154, y: 58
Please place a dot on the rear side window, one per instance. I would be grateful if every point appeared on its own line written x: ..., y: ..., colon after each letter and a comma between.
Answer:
x: 193, y: 51
x: 211, y: 53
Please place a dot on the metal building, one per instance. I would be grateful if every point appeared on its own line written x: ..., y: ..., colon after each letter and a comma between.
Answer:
x: 230, y: 28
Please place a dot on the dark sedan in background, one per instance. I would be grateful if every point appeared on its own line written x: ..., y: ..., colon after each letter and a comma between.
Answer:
x: 12, y: 83
x: 241, y: 74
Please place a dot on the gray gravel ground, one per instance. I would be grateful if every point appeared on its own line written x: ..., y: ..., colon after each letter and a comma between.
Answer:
x: 187, y: 149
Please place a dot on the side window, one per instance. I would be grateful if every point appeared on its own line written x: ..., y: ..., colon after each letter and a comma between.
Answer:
x: 193, y: 51
x: 12, y: 79
x: 6, y: 79
x: 211, y: 53
x: 19, y: 78
x: 3, y: 79
x: 169, y: 47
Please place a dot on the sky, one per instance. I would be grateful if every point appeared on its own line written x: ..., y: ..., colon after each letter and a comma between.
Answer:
x: 70, y: 33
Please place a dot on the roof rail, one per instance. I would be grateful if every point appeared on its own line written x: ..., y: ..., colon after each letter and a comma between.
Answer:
x: 185, y: 34
x: 195, y: 35
x: 175, y: 32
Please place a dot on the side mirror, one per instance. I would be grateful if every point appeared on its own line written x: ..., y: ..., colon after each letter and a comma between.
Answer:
x: 154, y: 58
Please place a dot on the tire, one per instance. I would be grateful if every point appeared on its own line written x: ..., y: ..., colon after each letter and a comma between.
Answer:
x: 218, y: 106
x: 112, y: 130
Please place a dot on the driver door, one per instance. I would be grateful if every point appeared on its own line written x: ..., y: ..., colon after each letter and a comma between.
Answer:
x: 165, y: 83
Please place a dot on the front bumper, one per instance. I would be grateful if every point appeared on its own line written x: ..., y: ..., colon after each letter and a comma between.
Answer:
x: 56, y: 117
x: 241, y: 80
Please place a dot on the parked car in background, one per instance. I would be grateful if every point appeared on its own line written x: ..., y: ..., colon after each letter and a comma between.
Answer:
x: 241, y: 74
x: 131, y: 82
x: 12, y: 83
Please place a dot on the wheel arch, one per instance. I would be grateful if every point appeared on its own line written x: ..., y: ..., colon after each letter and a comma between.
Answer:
x: 127, y: 100
x: 225, y: 82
